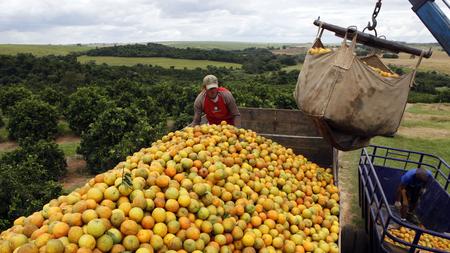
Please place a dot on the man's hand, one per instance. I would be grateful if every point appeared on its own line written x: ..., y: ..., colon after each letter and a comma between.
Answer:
x: 397, y: 204
x: 197, y: 119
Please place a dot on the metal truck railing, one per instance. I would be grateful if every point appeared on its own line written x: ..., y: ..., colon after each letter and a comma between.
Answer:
x: 378, y: 166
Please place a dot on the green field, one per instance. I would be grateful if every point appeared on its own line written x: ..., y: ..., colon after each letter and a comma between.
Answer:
x: 295, y: 67
x: 424, y: 128
x: 439, y: 61
x: 159, y: 61
x: 225, y: 45
x: 41, y: 50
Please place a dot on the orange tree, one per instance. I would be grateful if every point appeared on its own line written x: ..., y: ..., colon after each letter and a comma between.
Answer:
x: 24, y: 189
x: 32, y: 120
x: 116, y: 133
x: 47, y: 154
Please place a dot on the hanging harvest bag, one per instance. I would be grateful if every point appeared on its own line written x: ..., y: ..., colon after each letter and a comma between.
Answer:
x: 359, y: 97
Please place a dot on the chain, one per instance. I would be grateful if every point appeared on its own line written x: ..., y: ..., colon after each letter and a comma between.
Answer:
x: 371, y: 27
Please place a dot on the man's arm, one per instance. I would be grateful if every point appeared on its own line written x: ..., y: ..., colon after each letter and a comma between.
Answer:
x: 197, y: 119
x: 404, y: 197
x: 198, y: 110
x: 405, y: 204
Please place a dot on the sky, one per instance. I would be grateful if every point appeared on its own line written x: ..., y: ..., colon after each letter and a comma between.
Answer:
x: 137, y: 21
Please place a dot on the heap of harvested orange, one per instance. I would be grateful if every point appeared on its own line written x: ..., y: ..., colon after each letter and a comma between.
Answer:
x: 318, y: 50
x: 384, y: 73
x: 426, y: 240
x: 209, y: 188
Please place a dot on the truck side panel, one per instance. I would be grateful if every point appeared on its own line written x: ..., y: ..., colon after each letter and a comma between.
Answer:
x: 290, y: 128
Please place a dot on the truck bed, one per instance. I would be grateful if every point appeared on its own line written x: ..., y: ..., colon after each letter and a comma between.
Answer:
x: 293, y: 129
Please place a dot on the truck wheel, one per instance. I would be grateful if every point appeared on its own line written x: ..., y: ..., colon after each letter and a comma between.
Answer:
x: 353, y: 240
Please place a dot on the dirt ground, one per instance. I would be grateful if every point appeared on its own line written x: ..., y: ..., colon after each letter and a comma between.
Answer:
x: 424, y: 132
x: 8, y: 146
x: 77, y: 175
x: 67, y: 139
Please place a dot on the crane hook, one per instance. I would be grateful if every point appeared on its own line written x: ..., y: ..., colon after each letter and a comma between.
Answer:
x: 373, y: 25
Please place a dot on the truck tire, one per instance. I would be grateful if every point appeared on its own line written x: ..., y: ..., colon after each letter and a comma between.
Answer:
x: 353, y: 240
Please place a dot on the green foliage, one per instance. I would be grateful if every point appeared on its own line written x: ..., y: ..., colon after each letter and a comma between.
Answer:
x: 9, y: 96
x: 32, y: 120
x: 116, y: 133
x: 427, y: 82
x: 64, y: 128
x: 2, y: 122
x: 285, y: 100
x: 418, y: 97
x: 3, y: 135
x: 390, y: 56
x: 54, y: 97
x: 84, y: 106
x: 47, y: 154
x: 158, y: 50
x: 443, y: 96
x: 22, y: 189
x: 396, y: 69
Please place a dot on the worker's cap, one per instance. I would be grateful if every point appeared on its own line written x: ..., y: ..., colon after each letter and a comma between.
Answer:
x: 210, y: 82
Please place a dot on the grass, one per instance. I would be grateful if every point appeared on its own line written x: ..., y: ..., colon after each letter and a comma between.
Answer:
x: 432, y: 123
x: 430, y: 109
x: 64, y: 128
x: 348, y: 185
x: 159, y: 61
x: 69, y: 148
x: 3, y: 134
x: 42, y: 50
x: 434, y: 116
x: 437, y: 147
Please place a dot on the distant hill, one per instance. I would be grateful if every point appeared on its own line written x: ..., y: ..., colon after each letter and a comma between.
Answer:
x: 226, y: 45
x: 42, y: 50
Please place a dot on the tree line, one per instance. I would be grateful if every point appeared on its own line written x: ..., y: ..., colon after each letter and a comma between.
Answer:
x: 253, y: 60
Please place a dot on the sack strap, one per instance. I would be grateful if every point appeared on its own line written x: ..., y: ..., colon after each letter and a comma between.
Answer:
x: 319, y: 31
x: 411, y: 84
x: 344, y: 42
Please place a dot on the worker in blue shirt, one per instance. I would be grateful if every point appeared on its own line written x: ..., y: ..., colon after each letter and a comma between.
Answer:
x: 412, y: 184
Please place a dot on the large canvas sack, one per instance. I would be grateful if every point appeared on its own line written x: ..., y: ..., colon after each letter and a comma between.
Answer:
x: 348, y: 95
x: 340, y: 140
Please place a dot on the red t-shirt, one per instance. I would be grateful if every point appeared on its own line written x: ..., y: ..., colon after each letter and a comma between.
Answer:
x: 217, y: 112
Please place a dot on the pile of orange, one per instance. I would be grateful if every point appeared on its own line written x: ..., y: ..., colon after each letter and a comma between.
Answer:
x: 426, y: 240
x: 209, y: 188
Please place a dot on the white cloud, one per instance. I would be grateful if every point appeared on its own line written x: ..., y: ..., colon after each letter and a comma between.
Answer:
x: 89, y: 21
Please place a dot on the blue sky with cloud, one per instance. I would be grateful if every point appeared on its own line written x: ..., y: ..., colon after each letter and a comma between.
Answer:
x: 128, y: 21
